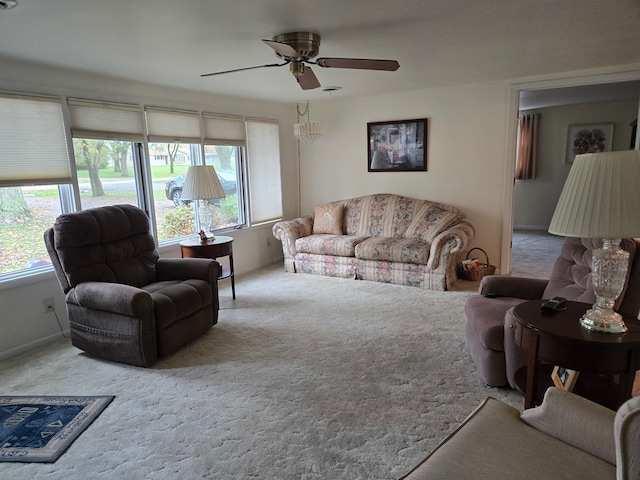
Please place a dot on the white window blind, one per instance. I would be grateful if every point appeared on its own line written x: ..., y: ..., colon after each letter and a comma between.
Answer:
x: 106, y: 121
x: 33, y: 145
x: 173, y: 126
x: 263, y: 151
x: 223, y: 130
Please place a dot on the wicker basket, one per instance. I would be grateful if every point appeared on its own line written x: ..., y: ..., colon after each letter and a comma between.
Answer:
x: 477, y: 273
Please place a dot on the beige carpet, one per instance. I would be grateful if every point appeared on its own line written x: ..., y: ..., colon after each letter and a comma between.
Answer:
x: 534, y: 252
x: 304, y: 377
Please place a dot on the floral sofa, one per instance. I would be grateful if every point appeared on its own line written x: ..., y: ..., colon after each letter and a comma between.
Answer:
x: 380, y: 237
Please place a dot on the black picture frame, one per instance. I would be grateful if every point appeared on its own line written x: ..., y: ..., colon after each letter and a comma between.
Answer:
x: 397, y: 146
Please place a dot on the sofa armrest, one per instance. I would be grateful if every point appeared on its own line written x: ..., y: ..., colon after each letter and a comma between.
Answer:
x: 627, y: 432
x: 187, y: 268
x: 288, y: 231
x: 576, y: 421
x: 449, y: 244
x: 112, y: 297
x: 516, y: 287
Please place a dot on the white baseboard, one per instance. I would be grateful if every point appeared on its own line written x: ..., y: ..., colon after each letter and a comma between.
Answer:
x: 41, y: 342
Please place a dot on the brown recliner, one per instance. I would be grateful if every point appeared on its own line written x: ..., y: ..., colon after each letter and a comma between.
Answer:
x: 126, y: 304
x: 489, y: 332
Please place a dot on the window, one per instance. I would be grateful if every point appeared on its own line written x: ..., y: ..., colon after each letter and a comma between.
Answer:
x: 125, y: 153
x: 174, y: 145
x: 264, y: 170
x: 106, y: 172
x: 35, y: 178
x: 227, y: 161
x: 224, y: 139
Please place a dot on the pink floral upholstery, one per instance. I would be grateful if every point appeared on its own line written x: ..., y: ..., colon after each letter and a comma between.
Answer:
x: 321, y: 244
x: 388, y: 238
x: 403, y: 250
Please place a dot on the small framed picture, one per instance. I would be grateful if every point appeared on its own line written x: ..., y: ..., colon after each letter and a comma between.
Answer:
x: 564, y: 378
x: 588, y: 138
x: 397, y: 146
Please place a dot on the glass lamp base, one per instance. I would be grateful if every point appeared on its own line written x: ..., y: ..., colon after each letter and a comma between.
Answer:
x: 204, y: 214
x: 609, y: 267
x: 601, y: 320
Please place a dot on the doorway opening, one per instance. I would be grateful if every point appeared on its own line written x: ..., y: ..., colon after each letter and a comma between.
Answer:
x: 613, y: 100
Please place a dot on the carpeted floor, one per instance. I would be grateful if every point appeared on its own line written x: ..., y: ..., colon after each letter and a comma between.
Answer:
x: 304, y: 377
x: 534, y: 252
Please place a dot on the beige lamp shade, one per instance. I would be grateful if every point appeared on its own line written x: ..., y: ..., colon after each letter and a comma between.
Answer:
x: 202, y: 183
x: 601, y: 197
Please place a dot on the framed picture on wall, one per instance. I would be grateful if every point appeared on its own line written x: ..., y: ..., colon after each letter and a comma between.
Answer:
x: 397, y: 146
x: 588, y: 138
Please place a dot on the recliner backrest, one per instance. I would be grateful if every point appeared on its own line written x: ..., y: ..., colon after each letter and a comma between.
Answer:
x: 630, y: 304
x: 571, y: 274
x: 105, y: 244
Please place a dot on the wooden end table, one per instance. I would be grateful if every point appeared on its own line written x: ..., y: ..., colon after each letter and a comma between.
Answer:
x: 557, y: 338
x: 221, y: 246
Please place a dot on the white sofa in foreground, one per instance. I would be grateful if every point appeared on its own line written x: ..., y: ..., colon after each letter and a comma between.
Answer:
x: 566, y: 438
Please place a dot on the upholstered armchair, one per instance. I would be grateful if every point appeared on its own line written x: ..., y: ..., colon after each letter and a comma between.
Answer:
x: 126, y: 304
x: 489, y: 328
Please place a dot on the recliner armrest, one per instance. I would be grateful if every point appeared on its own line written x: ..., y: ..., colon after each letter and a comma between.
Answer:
x: 575, y: 420
x: 516, y: 287
x: 187, y: 268
x: 112, y: 297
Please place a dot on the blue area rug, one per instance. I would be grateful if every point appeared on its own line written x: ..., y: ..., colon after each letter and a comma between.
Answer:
x: 40, y: 429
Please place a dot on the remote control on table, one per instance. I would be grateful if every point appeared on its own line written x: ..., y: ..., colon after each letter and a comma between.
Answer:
x: 554, y: 304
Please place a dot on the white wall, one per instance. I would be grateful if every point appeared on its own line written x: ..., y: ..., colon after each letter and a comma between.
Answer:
x: 535, y: 200
x: 465, y: 152
x: 467, y: 155
x: 23, y: 322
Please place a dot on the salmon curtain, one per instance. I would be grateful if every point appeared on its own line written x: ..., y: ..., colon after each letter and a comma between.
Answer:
x: 528, y: 126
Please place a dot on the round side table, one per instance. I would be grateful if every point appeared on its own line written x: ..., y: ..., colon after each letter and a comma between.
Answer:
x: 557, y: 338
x: 221, y: 246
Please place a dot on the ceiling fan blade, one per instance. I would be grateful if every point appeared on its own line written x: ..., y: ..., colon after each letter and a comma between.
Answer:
x: 307, y: 79
x: 359, y: 63
x: 246, y: 68
x: 283, y: 49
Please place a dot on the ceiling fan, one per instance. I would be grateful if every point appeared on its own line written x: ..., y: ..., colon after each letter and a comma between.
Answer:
x: 298, y: 48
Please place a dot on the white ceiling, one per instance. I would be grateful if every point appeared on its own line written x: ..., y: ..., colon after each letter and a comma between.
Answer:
x: 437, y: 42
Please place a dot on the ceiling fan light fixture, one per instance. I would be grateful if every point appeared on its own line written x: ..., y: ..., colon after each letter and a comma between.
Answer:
x: 296, y: 68
x: 308, y: 131
x: 297, y: 49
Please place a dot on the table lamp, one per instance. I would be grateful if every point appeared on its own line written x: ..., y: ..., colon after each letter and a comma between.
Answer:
x: 601, y: 199
x: 202, y: 184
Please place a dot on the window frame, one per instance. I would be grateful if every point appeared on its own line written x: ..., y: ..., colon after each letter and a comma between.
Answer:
x: 69, y: 193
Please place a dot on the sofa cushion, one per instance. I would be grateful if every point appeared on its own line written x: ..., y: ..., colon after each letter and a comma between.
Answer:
x: 430, y: 221
x: 380, y: 215
x: 328, y: 219
x: 402, y: 250
x: 562, y: 415
x: 339, y: 245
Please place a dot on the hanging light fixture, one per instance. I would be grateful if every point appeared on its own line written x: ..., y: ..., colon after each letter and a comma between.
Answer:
x: 307, y: 131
